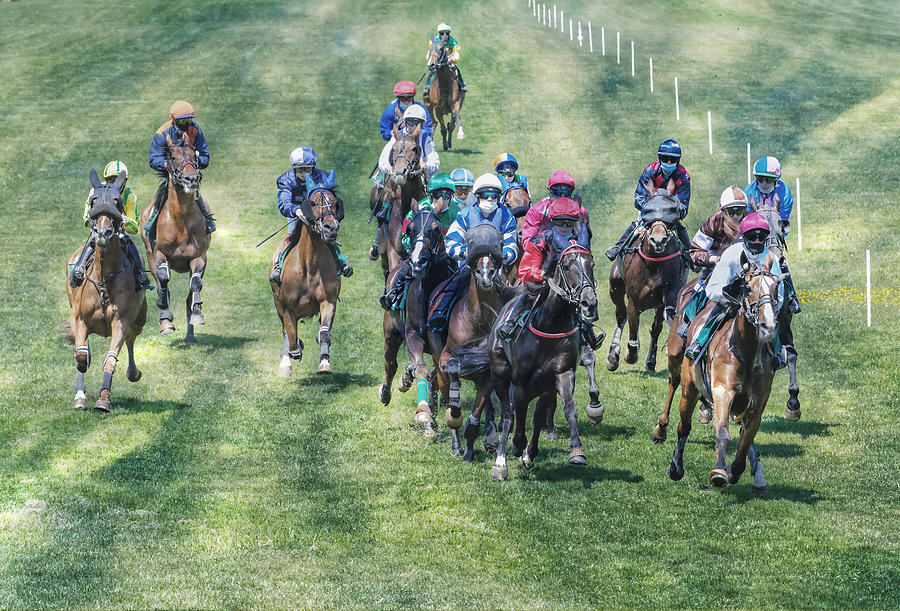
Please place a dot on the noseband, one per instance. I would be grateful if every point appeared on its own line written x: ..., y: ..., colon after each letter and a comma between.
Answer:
x: 749, y: 309
x: 327, y: 209
x: 188, y: 159
x: 411, y: 168
x: 564, y: 289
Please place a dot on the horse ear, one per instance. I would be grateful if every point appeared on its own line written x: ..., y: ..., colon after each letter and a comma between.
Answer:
x: 95, y: 180
x: 745, y: 262
x: 415, y: 132
x: 310, y: 183
x: 777, y: 201
x: 120, y: 181
x: 306, y: 210
x: 670, y: 187
x: 753, y: 205
x: 329, y: 182
x: 395, y: 132
x: 650, y: 188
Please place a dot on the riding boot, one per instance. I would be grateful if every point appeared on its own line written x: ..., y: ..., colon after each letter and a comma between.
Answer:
x: 459, y: 79
x: 428, y: 85
x: 155, y: 207
x: 696, y: 348
x: 613, y: 252
x: 790, y: 294
x: 204, y: 210
x: 141, y: 281
x: 374, y: 251
x: 76, y: 276
x: 393, y: 295
x: 693, y: 307
x: 286, y: 244
x: 340, y: 260
x: 516, y: 315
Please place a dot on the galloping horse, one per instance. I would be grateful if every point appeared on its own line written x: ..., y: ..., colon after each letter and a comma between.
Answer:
x: 518, y: 201
x: 430, y: 266
x: 778, y: 228
x: 650, y: 274
x: 181, y: 238
x: 470, y: 318
x: 444, y: 97
x: 735, y: 376
x: 310, y: 283
x: 541, y: 360
x: 106, y: 302
x: 403, y: 186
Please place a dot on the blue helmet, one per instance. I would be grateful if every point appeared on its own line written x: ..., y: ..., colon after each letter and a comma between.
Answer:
x: 505, y: 159
x: 669, y: 148
x: 303, y: 156
x: 462, y: 177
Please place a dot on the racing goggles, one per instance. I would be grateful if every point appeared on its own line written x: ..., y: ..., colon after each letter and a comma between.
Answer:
x: 561, y: 191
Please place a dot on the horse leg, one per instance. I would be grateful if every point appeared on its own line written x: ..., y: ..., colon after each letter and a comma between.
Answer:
x: 326, y: 320
x: 675, y: 361
x: 750, y: 426
x: 594, y: 408
x: 634, y: 343
x: 444, y: 142
x: 166, y: 327
x: 459, y: 129
x: 192, y: 301
x: 450, y: 125
x: 416, y: 348
x: 491, y: 432
x: 722, y: 398
x: 792, y: 409
x: 520, y: 405
x: 689, y: 397
x: 499, y: 471
x: 109, y: 365
x: 760, y: 487
x: 565, y: 386
x: 82, y: 361
x: 540, y: 417
x: 392, y: 341
x: 473, y: 423
x: 655, y: 330
x: 549, y: 410
x: 617, y: 295
x: 132, y: 373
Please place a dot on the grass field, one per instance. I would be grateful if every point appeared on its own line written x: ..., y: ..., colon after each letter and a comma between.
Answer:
x: 213, y: 483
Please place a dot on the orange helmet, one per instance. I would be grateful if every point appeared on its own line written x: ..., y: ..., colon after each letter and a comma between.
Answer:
x: 181, y: 110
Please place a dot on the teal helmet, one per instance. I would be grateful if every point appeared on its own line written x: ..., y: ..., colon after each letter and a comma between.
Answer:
x: 440, y: 181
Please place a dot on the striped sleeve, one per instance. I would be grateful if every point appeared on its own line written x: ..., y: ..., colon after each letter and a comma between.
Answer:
x: 456, y: 237
x: 510, y: 249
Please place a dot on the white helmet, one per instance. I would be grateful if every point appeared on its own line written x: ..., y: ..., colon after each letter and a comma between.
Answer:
x: 731, y: 197
x: 414, y: 112
x: 486, y: 181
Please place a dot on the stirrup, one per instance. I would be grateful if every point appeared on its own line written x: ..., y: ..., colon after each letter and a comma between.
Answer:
x: 76, y: 278
x: 275, y: 276
x: 210, y: 225
x: 693, y: 350
x: 374, y: 251
x: 612, y: 253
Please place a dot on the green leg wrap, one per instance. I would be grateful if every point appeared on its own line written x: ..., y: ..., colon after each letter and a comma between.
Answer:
x: 421, y: 391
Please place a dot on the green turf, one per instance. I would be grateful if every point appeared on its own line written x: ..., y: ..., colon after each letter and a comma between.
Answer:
x: 215, y: 484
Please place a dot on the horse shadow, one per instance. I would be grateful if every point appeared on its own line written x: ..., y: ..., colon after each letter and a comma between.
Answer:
x: 337, y: 381
x: 804, y: 428
x: 466, y: 152
x: 776, y: 492
x: 208, y: 343
x: 608, y: 431
x: 143, y: 406
x: 587, y: 475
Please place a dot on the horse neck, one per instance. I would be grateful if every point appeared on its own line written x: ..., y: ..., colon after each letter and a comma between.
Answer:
x: 744, y: 341
x: 483, y: 304
x: 555, y: 314
x: 310, y: 246
x: 185, y: 204
x: 106, y: 263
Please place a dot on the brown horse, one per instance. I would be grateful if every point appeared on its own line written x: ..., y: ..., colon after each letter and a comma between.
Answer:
x: 181, y: 238
x: 518, y: 201
x: 650, y: 274
x: 444, y: 97
x: 735, y: 376
x: 310, y: 283
x: 106, y: 303
x: 404, y: 186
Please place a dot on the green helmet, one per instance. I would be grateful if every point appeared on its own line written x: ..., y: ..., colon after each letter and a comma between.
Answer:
x: 440, y: 181
x: 113, y: 168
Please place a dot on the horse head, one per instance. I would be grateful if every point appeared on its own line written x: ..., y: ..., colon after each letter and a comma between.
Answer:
x: 573, y: 280
x: 759, y: 295
x: 659, y: 215
x: 484, y: 254
x: 182, y: 161
x: 321, y: 210
x: 106, y: 209
x: 426, y: 241
x: 405, y: 155
x: 778, y: 228
x: 437, y: 56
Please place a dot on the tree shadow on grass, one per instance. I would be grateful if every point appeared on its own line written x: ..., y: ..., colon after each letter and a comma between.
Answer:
x: 135, y: 406
x: 337, y: 382
x: 804, y: 428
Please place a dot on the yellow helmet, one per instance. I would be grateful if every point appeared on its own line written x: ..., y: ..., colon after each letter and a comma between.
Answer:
x: 444, y: 27
x: 114, y: 168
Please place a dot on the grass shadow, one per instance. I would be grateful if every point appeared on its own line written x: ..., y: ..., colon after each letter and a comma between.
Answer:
x: 587, y: 475
x: 804, y: 428
x: 743, y: 493
x: 209, y: 342
x: 781, y: 450
x: 465, y: 152
x: 136, y: 406
x: 338, y: 381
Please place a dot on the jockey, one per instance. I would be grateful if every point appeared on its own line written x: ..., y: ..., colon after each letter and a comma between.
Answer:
x: 181, y: 128
x: 292, y: 192
x: 405, y: 91
x: 560, y: 185
x: 463, y: 181
x: 489, y: 210
x: 565, y: 227
x: 443, y: 37
x: 505, y: 165
x: 413, y: 116
x: 439, y: 201
x: 659, y: 173
x: 769, y: 191
x: 129, y: 222
x: 754, y: 231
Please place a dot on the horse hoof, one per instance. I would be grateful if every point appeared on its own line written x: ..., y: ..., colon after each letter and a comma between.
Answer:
x: 80, y: 401
x: 792, y: 414
x: 468, y: 455
x: 384, y: 393
x: 133, y: 376
x: 190, y: 339
x: 428, y: 430
x: 517, y: 451
x: 455, y: 452
x: 526, y: 461
x: 577, y: 457
x: 102, y: 406
x: 595, y: 413
x: 675, y: 473
x: 718, y: 478
x: 197, y: 319
x: 704, y: 415
x: 324, y: 367
x: 460, y: 135
x: 631, y: 359
x: 453, y: 423
x: 760, y: 490
x: 406, y: 381
x: 499, y: 473
x: 285, y: 372
x: 659, y: 434
x: 650, y: 366
x: 551, y: 436
x: 612, y: 365
x: 166, y: 330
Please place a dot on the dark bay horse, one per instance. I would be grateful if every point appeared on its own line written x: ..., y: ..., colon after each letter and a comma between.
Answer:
x: 472, y: 317
x: 310, y: 284
x: 181, y: 238
x: 541, y: 360
x: 106, y: 303
x: 404, y: 186
x: 735, y: 376
x: 444, y: 97
x: 650, y: 273
x: 429, y: 266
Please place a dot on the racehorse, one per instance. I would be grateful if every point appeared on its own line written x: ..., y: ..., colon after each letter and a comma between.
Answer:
x: 778, y: 228
x: 106, y: 303
x: 735, y: 375
x: 181, y: 238
x: 444, y: 97
x: 404, y: 186
x: 541, y: 360
x: 310, y: 283
x: 650, y: 274
x: 429, y: 266
x: 518, y: 201
x: 470, y: 318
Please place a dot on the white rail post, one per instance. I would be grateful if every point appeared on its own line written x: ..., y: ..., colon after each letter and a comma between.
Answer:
x: 571, y: 38
x: 580, y: 36
x: 748, y: 163
x: 651, y: 75
x: 562, y: 22
x: 799, y: 217
x: 868, y: 290
x: 618, y: 55
x: 554, y: 16
x: 709, y: 128
x: 632, y: 59
x: 590, y: 37
x: 677, y: 113
x: 603, y: 40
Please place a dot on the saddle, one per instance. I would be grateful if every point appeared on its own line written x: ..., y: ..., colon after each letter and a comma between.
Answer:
x: 444, y: 297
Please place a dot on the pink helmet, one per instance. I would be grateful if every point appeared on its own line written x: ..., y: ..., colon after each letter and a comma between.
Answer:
x: 752, y: 221
x: 404, y: 88
x: 561, y: 177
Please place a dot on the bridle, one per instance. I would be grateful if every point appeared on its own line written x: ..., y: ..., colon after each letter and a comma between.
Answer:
x: 645, y: 233
x: 565, y: 289
x: 412, y: 164
x: 442, y: 60
x: 188, y: 159
x: 420, y: 237
x: 326, y: 207
x: 750, y: 310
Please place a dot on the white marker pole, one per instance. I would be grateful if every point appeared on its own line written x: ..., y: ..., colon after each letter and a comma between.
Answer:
x: 534, y: 9
x: 554, y: 16
x: 571, y: 37
x: 677, y: 113
x: 651, y: 75
x: 603, y: 40
x: 590, y: 37
x: 543, y: 13
x: 562, y: 22
x: 748, y: 163
x: 799, y: 217
x: 632, y: 59
x: 709, y: 128
x: 618, y: 55
x: 868, y: 290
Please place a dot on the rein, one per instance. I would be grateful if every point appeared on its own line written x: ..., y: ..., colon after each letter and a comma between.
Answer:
x: 178, y: 173
x: 566, y: 292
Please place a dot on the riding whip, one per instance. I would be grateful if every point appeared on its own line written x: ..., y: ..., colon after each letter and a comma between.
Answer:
x: 274, y: 234
x: 421, y: 77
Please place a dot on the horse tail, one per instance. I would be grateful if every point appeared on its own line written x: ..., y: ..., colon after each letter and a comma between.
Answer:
x: 473, y: 357
x: 66, y: 330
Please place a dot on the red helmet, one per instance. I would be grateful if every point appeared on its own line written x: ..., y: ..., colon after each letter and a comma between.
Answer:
x: 404, y: 88
x: 565, y: 207
x: 561, y: 177
x: 752, y: 221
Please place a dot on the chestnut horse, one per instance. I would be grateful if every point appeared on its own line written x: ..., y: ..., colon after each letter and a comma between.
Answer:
x: 181, y: 238
x: 404, y: 186
x: 650, y: 273
x: 518, y: 201
x: 429, y: 266
x: 310, y: 283
x: 106, y: 303
x: 444, y: 97
x: 735, y: 375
